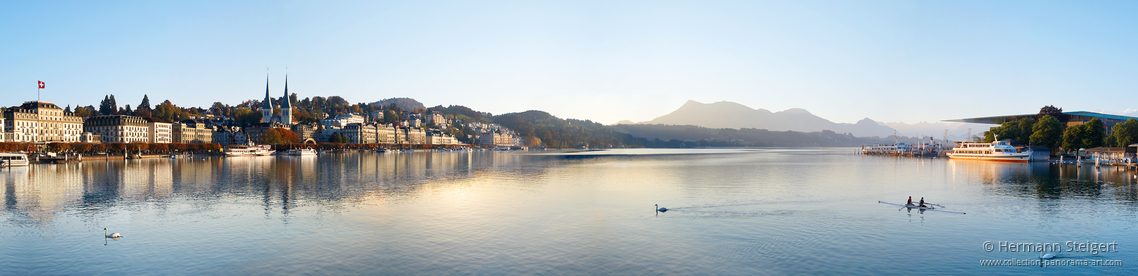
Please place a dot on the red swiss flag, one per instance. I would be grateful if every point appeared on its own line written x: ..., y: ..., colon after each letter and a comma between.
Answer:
x: 41, y: 84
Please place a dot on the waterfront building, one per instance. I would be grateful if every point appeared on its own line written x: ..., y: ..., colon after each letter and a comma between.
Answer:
x: 1068, y: 118
x: 416, y: 136
x: 118, y: 128
x: 497, y: 138
x: 40, y: 121
x: 358, y: 133
x: 157, y: 131
x: 305, y: 132
x: 191, y: 131
x: 436, y: 137
x: 385, y: 134
x: 229, y: 135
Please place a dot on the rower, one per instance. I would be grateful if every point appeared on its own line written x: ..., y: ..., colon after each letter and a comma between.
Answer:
x: 923, y: 202
x: 910, y: 201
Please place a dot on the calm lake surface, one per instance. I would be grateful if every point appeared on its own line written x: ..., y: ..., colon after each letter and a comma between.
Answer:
x: 732, y: 212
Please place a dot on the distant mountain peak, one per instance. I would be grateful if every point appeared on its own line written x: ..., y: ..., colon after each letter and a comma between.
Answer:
x: 727, y: 114
x: 796, y: 111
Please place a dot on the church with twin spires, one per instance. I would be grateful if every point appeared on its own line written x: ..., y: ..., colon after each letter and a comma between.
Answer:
x: 267, y: 116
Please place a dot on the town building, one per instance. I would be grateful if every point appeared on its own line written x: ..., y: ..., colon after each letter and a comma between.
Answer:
x: 229, y: 135
x: 385, y: 134
x: 359, y: 133
x: 436, y: 119
x: 305, y: 132
x: 157, y: 131
x: 415, y: 136
x: 40, y: 121
x: 497, y: 138
x: 190, y: 131
x: 436, y: 137
x: 343, y: 120
x: 118, y: 128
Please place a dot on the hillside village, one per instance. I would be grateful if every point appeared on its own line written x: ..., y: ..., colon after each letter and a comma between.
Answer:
x: 281, y: 120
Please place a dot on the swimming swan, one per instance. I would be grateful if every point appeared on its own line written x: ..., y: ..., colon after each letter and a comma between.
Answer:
x: 660, y: 209
x: 113, y: 235
x: 1047, y: 256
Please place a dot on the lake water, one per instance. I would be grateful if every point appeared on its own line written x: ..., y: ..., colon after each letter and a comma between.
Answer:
x: 732, y: 212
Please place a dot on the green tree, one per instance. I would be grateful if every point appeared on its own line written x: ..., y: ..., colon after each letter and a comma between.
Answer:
x: 1074, y: 137
x: 1094, y: 133
x: 1125, y: 133
x: 389, y: 116
x: 1047, y: 132
x: 989, y: 136
x: 336, y: 138
x: 145, y: 103
x: 1007, y: 130
x: 271, y: 136
x: 1026, y: 129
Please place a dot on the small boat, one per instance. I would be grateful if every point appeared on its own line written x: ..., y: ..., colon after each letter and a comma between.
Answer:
x: 912, y: 206
x: 300, y: 152
x: 12, y: 159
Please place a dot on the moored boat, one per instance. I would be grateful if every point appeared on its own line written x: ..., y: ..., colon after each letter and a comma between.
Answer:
x: 994, y: 151
x: 13, y: 159
x: 248, y: 150
x: 300, y: 152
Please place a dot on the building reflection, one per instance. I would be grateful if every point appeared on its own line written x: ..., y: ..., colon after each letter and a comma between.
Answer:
x: 35, y: 194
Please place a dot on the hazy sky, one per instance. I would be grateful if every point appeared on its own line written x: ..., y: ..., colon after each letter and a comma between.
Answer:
x: 605, y: 61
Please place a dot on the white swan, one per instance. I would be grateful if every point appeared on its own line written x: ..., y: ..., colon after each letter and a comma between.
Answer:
x: 112, y: 235
x: 660, y: 209
x: 1047, y: 256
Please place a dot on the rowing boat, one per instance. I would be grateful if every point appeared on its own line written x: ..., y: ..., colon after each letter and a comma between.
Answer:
x: 911, y: 206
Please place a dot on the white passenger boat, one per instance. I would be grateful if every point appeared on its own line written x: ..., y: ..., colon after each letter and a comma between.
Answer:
x: 248, y: 150
x: 300, y: 152
x: 13, y: 159
x: 994, y: 151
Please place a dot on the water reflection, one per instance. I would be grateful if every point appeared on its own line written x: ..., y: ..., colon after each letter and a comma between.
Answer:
x: 34, y: 195
x: 1046, y: 180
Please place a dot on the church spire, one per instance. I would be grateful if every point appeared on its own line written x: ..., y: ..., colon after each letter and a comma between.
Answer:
x: 268, y: 104
x: 285, y: 103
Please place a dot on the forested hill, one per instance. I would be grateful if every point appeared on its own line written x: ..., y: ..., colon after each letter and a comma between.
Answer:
x: 560, y: 133
x: 408, y: 104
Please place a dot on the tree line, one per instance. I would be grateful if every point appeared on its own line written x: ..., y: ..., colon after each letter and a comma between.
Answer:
x: 1050, y: 132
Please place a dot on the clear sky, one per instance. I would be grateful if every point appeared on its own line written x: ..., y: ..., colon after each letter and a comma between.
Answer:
x: 605, y: 61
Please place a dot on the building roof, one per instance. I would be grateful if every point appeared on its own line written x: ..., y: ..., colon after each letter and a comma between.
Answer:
x: 155, y: 120
x: 39, y: 104
x: 996, y: 120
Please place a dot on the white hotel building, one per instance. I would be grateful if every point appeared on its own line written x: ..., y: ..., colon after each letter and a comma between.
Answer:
x: 40, y: 121
x: 120, y: 128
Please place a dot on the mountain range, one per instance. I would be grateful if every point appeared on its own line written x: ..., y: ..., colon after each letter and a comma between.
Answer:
x: 733, y: 115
